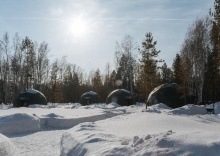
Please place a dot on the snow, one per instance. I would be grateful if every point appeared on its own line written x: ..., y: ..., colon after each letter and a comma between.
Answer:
x: 6, y: 146
x: 190, y: 110
x: 32, y: 91
x: 91, y: 93
x: 100, y: 129
x: 18, y: 123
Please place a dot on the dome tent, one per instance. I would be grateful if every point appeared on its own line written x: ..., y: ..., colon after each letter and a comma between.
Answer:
x: 167, y: 94
x: 121, y: 97
x: 29, y: 97
x: 90, y: 98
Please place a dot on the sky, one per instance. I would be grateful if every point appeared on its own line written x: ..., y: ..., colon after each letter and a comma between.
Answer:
x: 86, y: 31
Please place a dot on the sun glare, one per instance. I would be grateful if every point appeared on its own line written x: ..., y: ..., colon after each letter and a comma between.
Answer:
x: 79, y: 27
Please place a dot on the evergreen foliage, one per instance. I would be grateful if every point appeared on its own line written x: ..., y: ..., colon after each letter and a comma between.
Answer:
x: 148, y: 74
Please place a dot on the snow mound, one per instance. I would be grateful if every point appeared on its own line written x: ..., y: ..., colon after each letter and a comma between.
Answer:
x: 57, y: 105
x: 160, y: 144
x: 158, y: 108
x: 4, y: 107
x: 112, y: 105
x: 18, y: 123
x: 37, y: 106
x: 69, y: 146
x: 6, y: 146
x: 52, y: 115
x: 72, y: 105
x: 161, y: 106
x: 157, y: 144
x: 189, y: 110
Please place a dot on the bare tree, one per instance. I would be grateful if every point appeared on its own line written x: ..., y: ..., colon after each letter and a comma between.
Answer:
x: 195, y: 48
x: 125, y: 60
x: 42, y: 63
x: 5, y: 70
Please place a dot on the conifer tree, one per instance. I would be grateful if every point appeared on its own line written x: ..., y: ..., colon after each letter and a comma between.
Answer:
x: 30, y: 58
x: 148, y: 78
x: 58, y: 94
x: 166, y: 74
x: 215, y: 37
x: 177, y: 69
x: 97, y: 82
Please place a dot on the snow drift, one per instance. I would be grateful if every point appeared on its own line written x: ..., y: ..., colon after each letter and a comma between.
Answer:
x: 6, y: 146
x: 100, y: 129
x: 18, y: 123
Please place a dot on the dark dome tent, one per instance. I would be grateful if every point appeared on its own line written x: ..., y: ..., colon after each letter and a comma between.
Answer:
x: 121, y: 97
x: 90, y: 98
x: 29, y: 97
x: 167, y: 94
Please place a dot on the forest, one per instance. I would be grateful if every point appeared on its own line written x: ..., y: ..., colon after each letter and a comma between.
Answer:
x: 196, y: 68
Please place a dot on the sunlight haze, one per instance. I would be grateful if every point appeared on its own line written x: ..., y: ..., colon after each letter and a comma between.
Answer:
x: 85, y: 31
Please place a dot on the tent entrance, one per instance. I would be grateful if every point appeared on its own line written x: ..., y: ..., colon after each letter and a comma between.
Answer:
x: 23, y: 102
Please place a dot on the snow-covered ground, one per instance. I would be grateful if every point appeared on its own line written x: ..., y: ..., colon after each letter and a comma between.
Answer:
x: 98, y: 130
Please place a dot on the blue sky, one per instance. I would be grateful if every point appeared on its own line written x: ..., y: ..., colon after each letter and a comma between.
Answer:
x: 91, y: 44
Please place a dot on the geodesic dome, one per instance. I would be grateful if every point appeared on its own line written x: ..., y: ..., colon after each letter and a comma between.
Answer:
x: 29, y: 97
x: 90, y: 98
x: 120, y: 96
x: 167, y: 94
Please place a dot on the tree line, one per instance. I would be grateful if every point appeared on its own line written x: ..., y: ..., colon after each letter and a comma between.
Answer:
x: 25, y: 64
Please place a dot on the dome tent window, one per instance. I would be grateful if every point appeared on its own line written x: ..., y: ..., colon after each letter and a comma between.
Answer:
x: 29, y: 97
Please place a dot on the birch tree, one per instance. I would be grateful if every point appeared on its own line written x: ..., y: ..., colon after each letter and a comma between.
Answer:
x: 125, y: 61
x: 195, y: 48
x: 5, y: 67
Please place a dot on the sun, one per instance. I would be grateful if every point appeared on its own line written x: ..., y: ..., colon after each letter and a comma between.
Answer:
x: 79, y: 27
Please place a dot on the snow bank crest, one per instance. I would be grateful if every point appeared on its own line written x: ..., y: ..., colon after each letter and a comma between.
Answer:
x: 52, y: 115
x: 6, y: 146
x: 158, y: 108
x: 69, y: 146
x: 18, y: 123
x: 189, y: 110
x: 32, y: 91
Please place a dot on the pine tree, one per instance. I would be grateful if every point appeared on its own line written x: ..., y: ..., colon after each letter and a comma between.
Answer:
x: 166, y: 74
x: 58, y: 94
x: 177, y: 69
x: 112, y: 80
x: 30, y: 56
x: 209, y: 90
x: 71, y: 84
x: 54, y: 79
x: 215, y: 37
x: 97, y: 82
x: 148, y: 77
x: 5, y: 69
